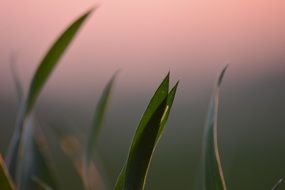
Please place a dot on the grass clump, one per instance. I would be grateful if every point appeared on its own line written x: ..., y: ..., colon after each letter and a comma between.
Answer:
x: 27, y: 165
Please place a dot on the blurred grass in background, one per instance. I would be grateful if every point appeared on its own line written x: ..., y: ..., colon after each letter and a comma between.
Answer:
x: 251, y: 131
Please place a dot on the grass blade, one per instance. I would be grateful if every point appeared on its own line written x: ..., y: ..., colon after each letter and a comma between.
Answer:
x: 98, y: 120
x: 5, y: 180
x: 214, y: 177
x: 277, y: 184
x: 96, y: 128
x: 15, y: 76
x: 34, y: 162
x: 121, y: 179
x: 170, y: 99
x: 160, y: 93
x: 134, y: 172
x: 40, y: 77
x: 141, y: 151
x: 51, y: 59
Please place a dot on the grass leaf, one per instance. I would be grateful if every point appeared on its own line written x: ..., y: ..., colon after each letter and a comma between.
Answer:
x: 170, y: 99
x: 98, y: 120
x: 96, y: 128
x: 5, y: 180
x: 34, y: 162
x: 121, y: 179
x: 15, y: 76
x: 44, y: 70
x: 214, y: 177
x: 277, y: 184
x: 134, y: 172
x: 51, y: 59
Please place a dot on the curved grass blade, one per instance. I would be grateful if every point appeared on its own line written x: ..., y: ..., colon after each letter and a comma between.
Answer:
x: 214, y: 177
x: 277, y: 184
x: 170, y: 99
x: 98, y: 120
x: 134, y: 172
x: 34, y: 162
x: 96, y: 128
x: 13, y: 147
x: 121, y: 179
x: 40, y: 77
x: 160, y: 93
x: 5, y: 180
x: 142, y: 149
x: 51, y: 59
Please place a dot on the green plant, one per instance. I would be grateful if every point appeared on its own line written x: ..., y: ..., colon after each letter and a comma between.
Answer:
x: 27, y: 165
x: 213, y: 171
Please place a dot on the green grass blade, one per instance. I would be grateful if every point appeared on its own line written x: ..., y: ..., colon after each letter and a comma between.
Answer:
x: 96, y: 127
x: 5, y: 180
x: 160, y: 93
x: 121, y: 178
x: 51, y: 59
x: 169, y: 101
x: 134, y: 172
x: 214, y: 177
x: 142, y: 149
x: 34, y: 162
x: 40, y: 77
x: 11, y: 158
x: 98, y: 120
x: 277, y: 184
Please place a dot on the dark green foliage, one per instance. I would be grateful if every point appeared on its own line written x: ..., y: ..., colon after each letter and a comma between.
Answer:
x: 134, y: 172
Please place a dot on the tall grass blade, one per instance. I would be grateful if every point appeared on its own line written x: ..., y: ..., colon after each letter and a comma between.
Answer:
x: 277, y: 184
x: 34, y: 162
x: 98, y: 120
x: 214, y: 177
x: 121, y: 178
x: 141, y: 151
x: 5, y: 180
x: 51, y: 59
x: 15, y: 76
x: 44, y: 70
x: 170, y: 99
x: 11, y: 157
x: 161, y: 93
x: 134, y: 172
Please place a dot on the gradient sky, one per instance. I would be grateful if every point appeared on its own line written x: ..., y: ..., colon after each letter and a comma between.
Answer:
x: 144, y: 39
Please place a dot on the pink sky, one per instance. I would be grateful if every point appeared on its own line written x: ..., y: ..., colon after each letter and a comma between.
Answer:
x: 143, y: 38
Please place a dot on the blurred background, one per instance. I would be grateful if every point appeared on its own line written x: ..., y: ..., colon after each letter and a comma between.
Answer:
x: 144, y: 39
